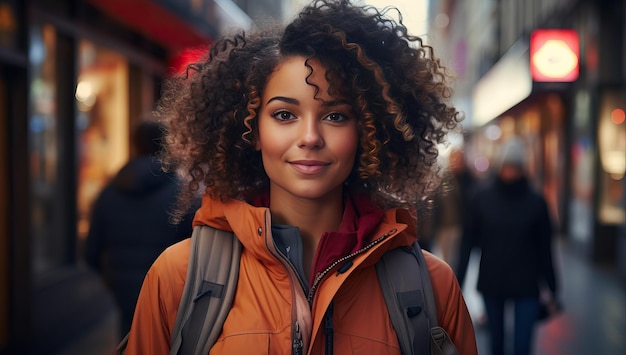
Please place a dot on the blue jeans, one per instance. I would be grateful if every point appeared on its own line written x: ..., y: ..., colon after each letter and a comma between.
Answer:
x: 525, y: 313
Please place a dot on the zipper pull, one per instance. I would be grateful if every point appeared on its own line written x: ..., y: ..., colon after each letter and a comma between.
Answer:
x: 297, y: 341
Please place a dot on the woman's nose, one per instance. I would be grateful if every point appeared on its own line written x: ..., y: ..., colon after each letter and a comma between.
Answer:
x: 311, y: 135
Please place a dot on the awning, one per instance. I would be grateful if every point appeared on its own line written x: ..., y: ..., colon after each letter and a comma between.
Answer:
x: 175, y: 24
x: 505, y: 85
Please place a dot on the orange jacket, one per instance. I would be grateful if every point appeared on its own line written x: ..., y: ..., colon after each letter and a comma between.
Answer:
x: 270, y: 307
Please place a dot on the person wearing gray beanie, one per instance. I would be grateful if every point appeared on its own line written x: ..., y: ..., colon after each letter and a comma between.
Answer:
x: 513, y: 152
x: 511, y: 163
x: 510, y: 223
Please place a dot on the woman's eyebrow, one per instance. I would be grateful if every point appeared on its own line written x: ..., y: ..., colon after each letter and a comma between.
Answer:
x: 288, y: 100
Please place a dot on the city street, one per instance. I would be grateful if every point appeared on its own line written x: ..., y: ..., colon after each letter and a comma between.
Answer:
x: 594, y: 315
x: 482, y: 101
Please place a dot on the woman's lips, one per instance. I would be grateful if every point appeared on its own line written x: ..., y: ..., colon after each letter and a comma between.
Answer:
x: 308, y: 167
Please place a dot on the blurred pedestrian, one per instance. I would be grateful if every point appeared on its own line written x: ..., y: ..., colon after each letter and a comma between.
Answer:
x: 313, y: 142
x: 130, y: 222
x: 450, y: 205
x: 510, y: 223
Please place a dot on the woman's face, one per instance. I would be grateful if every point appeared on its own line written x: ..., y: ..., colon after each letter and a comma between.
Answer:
x: 308, y: 145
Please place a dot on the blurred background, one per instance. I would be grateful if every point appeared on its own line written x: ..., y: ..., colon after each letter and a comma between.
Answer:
x: 77, y: 76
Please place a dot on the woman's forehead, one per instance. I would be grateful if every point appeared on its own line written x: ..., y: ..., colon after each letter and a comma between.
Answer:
x: 298, y: 71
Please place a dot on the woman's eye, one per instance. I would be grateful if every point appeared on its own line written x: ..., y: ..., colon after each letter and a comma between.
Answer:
x: 336, y: 117
x: 283, y: 115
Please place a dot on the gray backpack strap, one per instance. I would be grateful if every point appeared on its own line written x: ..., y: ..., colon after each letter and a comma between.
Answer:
x: 405, y: 299
x: 210, y: 286
x: 411, y: 302
x: 441, y: 344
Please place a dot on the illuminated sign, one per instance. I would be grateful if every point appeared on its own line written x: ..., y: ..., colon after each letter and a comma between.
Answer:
x: 554, y: 55
x: 179, y: 62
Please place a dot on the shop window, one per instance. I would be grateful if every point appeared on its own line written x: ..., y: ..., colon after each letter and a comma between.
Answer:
x: 101, y: 127
x: 8, y: 24
x: 582, y: 154
x: 612, y: 146
x: 102, y: 123
x: 43, y: 149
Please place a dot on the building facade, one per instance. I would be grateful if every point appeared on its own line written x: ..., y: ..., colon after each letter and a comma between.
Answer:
x: 575, y: 126
x: 75, y: 78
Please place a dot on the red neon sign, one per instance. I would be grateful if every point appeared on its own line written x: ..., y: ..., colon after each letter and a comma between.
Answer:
x: 178, y: 64
x: 554, y: 55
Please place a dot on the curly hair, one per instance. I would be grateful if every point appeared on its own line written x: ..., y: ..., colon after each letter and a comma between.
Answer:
x: 397, y: 88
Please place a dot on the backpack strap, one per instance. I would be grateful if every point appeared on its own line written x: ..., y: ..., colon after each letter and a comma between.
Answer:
x: 440, y: 341
x: 209, y: 289
x: 411, y: 302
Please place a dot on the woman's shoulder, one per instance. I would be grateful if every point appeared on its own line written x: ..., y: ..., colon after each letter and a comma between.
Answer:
x: 438, y: 268
x: 157, y: 304
x: 176, y: 252
x: 446, y: 288
x: 171, y: 265
x: 452, y: 312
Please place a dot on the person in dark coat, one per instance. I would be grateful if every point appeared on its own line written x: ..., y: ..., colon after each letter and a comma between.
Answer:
x: 511, y: 225
x: 130, y: 221
x: 450, y: 205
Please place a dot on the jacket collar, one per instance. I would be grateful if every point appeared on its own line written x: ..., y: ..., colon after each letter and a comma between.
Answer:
x: 362, y: 222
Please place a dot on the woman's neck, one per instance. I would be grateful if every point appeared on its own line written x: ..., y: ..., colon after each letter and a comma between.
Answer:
x: 309, y: 215
x: 313, y: 217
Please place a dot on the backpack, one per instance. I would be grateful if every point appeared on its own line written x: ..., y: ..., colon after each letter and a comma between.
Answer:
x: 212, y: 278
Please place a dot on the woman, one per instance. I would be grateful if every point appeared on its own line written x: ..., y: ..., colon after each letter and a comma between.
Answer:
x: 306, y: 143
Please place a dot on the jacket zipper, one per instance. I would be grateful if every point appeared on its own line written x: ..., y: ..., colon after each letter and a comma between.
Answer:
x: 323, y: 273
x: 297, y: 343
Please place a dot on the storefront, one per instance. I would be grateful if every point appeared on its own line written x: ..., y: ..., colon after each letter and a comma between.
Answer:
x: 87, y: 89
x: 574, y: 125
x: 13, y: 186
x: 75, y: 78
x: 598, y: 136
